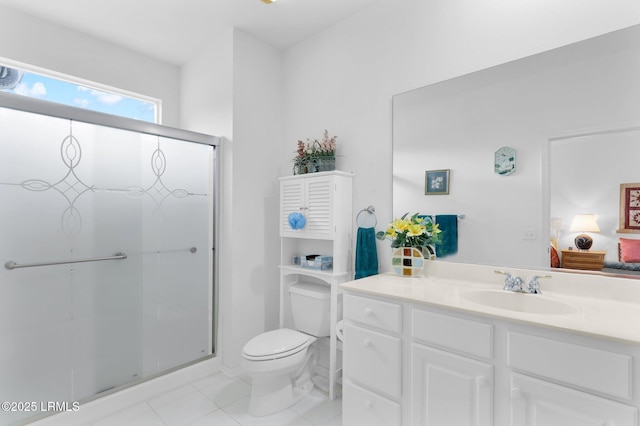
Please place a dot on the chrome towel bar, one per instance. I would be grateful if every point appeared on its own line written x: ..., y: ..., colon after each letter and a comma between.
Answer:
x: 13, y: 265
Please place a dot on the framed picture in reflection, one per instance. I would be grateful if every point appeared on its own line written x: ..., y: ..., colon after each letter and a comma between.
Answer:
x: 629, y: 208
x: 436, y: 182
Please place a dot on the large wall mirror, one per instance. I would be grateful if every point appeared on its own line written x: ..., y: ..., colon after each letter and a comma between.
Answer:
x: 571, y: 114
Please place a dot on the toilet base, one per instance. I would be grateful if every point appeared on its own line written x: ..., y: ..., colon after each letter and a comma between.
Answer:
x: 276, y: 390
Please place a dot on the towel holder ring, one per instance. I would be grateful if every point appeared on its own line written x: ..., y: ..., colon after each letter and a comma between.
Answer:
x: 366, y: 221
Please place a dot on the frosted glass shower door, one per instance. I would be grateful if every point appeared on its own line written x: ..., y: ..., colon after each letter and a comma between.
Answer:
x: 177, y: 254
x: 106, y: 220
x: 140, y: 208
x: 36, y: 304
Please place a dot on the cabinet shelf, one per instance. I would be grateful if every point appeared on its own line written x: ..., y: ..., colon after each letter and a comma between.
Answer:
x: 323, y: 275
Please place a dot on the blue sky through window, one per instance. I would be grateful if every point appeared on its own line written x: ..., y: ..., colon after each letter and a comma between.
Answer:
x: 55, y: 90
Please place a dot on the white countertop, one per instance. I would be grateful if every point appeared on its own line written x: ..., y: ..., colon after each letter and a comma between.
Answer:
x: 604, y: 307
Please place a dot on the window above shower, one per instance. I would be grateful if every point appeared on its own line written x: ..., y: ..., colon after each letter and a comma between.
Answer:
x: 67, y: 90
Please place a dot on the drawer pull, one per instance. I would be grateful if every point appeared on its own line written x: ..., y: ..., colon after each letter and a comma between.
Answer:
x: 516, y: 393
x: 367, y: 343
x: 368, y: 405
x: 482, y: 381
x: 368, y: 312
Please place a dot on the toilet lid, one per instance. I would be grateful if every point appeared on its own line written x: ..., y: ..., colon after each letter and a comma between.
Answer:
x: 275, y: 342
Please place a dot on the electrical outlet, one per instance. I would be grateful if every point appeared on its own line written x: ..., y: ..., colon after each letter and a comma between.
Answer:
x: 529, y: 234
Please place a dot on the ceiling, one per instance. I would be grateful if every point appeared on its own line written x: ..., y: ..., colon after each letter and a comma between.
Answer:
x: 174, y: 30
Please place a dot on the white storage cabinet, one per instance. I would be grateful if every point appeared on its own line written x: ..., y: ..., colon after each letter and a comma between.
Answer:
x: 325, y: 199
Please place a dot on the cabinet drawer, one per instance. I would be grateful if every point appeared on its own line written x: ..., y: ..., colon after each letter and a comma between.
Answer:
x: 373, y: 359
x: 375, y: 313
x: 559, y: 405
x: 461, y: 335
x: 586, y: 367
x: 362, y: 407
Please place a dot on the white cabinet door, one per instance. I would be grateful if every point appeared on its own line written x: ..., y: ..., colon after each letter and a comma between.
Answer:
x: 319, y: 203
x: 538, y: 403
x: 373, y: 359
x: 313, y: 197
x: 449, y: 389
x: 368, y: 408
x: 291, y: 200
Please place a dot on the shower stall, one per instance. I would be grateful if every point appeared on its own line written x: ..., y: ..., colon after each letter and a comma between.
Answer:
x: 106, y: 253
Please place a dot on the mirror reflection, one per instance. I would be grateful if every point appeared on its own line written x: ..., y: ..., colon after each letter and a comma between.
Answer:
x: 570, y: 117
x: 586, y: 173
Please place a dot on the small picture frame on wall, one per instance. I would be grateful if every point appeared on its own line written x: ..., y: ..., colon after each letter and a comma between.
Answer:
x: 629, y: 208
x: 436, y: 182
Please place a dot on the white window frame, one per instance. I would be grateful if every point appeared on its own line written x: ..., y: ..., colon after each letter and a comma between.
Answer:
x: 86, y: 84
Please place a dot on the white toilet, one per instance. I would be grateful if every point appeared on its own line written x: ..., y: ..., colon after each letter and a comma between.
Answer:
x: 280, y: 362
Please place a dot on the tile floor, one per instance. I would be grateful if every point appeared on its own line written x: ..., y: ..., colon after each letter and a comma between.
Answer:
x: 221, y: 401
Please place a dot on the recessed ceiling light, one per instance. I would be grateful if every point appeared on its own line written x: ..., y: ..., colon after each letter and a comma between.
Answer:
x: 268, y: 1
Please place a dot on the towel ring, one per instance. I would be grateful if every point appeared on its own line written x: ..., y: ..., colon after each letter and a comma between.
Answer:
x: 369, y: 220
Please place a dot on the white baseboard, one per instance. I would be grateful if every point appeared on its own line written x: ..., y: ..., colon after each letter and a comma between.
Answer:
x: 237, y: 372
x: 119, y: 400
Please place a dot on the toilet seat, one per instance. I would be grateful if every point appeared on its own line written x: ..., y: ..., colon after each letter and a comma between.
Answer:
x: 276, y: 344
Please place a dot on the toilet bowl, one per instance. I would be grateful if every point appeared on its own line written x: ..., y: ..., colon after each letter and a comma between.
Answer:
x: 281, y: 362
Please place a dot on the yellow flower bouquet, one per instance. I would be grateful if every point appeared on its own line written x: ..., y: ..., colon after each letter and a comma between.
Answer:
x: 418, y: 231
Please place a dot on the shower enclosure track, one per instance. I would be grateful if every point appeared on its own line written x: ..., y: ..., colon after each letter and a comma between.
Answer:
x: 13, y: 265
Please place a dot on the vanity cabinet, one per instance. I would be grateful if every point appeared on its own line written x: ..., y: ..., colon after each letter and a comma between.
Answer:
x: 451, y: 372
x: 372, y: 379
x: 461, y: 368
x: 542, y: 403
x: 568, y: 378
x: 449, y: 389
x: 325, y: 200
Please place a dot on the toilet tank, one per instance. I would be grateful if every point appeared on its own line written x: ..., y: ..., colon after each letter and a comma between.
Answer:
x: 311, y: 306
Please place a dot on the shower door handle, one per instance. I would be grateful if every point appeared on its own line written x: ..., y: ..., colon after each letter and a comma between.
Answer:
x: 13, y: 265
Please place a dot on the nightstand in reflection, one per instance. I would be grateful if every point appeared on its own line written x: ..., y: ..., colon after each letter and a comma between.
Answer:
x: 592, y: 260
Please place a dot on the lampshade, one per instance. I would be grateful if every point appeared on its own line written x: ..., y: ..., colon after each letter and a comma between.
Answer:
x: 584, y: 223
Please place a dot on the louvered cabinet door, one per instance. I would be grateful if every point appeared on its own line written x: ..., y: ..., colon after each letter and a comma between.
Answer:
x: 313, y: 197
x: 319, y: 203
x: 292, y: 199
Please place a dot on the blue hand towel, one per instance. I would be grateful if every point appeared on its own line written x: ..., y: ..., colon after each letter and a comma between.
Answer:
x: 448, y: 244
x: 366, y: 253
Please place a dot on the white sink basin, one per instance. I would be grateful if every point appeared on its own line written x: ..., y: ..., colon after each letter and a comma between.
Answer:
x: 518, y: 302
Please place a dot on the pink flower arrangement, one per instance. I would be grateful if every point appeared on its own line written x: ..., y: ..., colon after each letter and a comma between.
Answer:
x: 315, y: 155
x: 328, y: 145
x: 315, y: 148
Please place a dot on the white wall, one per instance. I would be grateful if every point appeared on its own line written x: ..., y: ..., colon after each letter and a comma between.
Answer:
x: 255, y: 242
x: 344, y: 78
x: 233, y: 88
x: 206, y: 88
x: 41, y: 44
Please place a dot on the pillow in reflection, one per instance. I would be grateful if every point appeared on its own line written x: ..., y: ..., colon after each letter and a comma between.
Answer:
x: 555, y: 259
x: 629, y: 250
